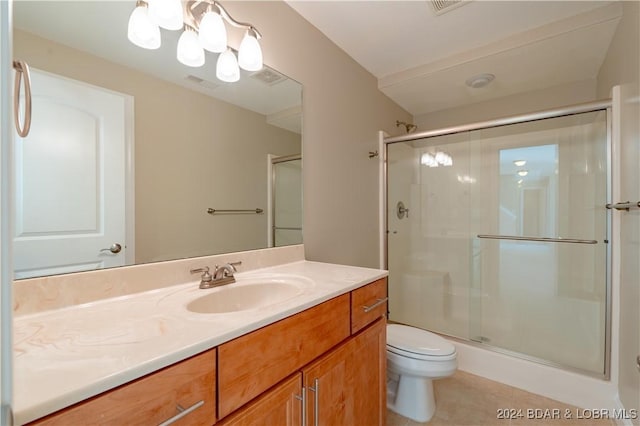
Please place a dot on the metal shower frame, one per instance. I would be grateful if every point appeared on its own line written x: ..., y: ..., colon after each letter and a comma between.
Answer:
x: 600, y: 105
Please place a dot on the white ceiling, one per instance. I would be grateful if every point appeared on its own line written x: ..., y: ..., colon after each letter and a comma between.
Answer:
x: 422, y: 60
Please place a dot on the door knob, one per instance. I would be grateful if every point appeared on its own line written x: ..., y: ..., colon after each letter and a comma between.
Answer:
x: 115, y: 248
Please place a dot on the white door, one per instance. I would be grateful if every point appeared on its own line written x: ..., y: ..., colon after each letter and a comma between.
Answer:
x: 69, y: 186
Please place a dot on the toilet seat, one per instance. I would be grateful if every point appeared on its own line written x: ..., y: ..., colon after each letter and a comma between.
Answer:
x: 418, y: 344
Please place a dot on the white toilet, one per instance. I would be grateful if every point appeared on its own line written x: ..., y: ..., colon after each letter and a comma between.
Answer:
x: 414, y: 358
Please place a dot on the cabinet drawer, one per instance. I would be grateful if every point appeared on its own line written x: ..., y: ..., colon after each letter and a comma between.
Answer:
x: 152, y: 399
x: 253, y: 363
x: 368, y: 303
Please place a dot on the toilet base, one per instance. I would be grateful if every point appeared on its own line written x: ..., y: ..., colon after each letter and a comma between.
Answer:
x: 414, y: 398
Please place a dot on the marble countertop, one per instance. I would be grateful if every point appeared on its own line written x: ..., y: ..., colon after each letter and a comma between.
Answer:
x: 66, y: 355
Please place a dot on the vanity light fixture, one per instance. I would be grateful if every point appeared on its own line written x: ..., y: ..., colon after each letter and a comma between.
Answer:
x: 523, y: 172
x: 520, y: 163
x: 190, y: 52
x: 166, y: 13
x: 204, y: 28
x: 142, y: 31
x: 227, y: 67
x: 212, y: 35
x: 250, y: 54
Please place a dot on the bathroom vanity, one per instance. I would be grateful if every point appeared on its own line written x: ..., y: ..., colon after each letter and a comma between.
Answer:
x: 315, y: 358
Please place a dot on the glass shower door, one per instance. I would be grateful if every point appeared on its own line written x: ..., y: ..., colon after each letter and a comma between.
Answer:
x: 499, y: 236
x: 287, y: 201
x: 540, y: 276
x: 429, y: 246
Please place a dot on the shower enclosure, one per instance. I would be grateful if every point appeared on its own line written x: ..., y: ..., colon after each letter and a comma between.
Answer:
x: 286, y: 200
x: 498, y: 235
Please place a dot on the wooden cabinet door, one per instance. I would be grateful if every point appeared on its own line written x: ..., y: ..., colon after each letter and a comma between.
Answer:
x: 370, y: 363
x: 348, y: 385
x: 253, y: 363
x: 280, y: 406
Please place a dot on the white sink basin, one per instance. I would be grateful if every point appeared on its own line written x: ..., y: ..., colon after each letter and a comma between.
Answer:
x: 247, y: 294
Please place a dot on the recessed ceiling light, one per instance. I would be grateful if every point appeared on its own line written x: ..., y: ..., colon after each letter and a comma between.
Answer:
x: 480, y: 80
x: 520, y: 163
x: 523, y: 172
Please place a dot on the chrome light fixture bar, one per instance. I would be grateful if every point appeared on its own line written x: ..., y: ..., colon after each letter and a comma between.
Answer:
x: 202, y: 22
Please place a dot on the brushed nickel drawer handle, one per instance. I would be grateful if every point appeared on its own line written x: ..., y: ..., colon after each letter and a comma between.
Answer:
x: 375, y: 305
x: 303, y: 401
x: 182, y: 412
x: 316, y: 401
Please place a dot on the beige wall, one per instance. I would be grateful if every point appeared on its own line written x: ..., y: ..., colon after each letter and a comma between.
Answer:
x: 188, y: 150
x: 622, y: 67
x: 343, y: 111
x: 567, y: 94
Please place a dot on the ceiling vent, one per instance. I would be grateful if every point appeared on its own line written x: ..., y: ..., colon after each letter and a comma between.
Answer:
x: 202, y: 82
x: 268, y: 76
x: 443, y: 6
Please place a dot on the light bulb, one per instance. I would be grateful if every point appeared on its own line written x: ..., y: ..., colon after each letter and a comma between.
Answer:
x: 227, y: 67
x: 250, y: 54
x: 522, y: 172
x: 166, y: 13
x: 212, y: 33
x: 190, y: 52
x: 142, y: 31
x: 520, y: 163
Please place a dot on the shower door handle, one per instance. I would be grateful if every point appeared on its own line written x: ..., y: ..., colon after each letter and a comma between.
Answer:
x: 537, y: 239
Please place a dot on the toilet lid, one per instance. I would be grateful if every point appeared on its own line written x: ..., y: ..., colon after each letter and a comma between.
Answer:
x: 418, y: 341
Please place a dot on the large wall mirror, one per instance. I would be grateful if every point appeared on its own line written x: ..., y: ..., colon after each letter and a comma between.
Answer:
x: 135, y: 158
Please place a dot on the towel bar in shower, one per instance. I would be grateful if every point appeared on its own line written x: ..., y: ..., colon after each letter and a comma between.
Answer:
x: 624, y: 206
x: 538, y: 239
x: 214, y: 211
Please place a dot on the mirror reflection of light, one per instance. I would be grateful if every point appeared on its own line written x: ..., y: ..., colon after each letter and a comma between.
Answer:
x: 520, y: 163
x: 520, y: 181
x: 466, y: 179
x: 523, y: 172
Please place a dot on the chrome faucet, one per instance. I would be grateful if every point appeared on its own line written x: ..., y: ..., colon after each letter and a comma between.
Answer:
x: 205, y: 279
x: 221, y: 276
x: 224, y: 274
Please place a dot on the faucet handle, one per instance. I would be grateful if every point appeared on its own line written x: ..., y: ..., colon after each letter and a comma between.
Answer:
x: 206, y: 276
x: 234, y: 264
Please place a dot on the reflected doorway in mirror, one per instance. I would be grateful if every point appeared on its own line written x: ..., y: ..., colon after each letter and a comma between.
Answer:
x: 70, y: 180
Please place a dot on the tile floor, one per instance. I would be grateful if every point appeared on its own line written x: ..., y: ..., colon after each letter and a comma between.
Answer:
x: 468, y: 400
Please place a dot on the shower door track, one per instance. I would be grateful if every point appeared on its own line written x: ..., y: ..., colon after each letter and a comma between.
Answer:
x: 514, y: 119
x: 600, y: 105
